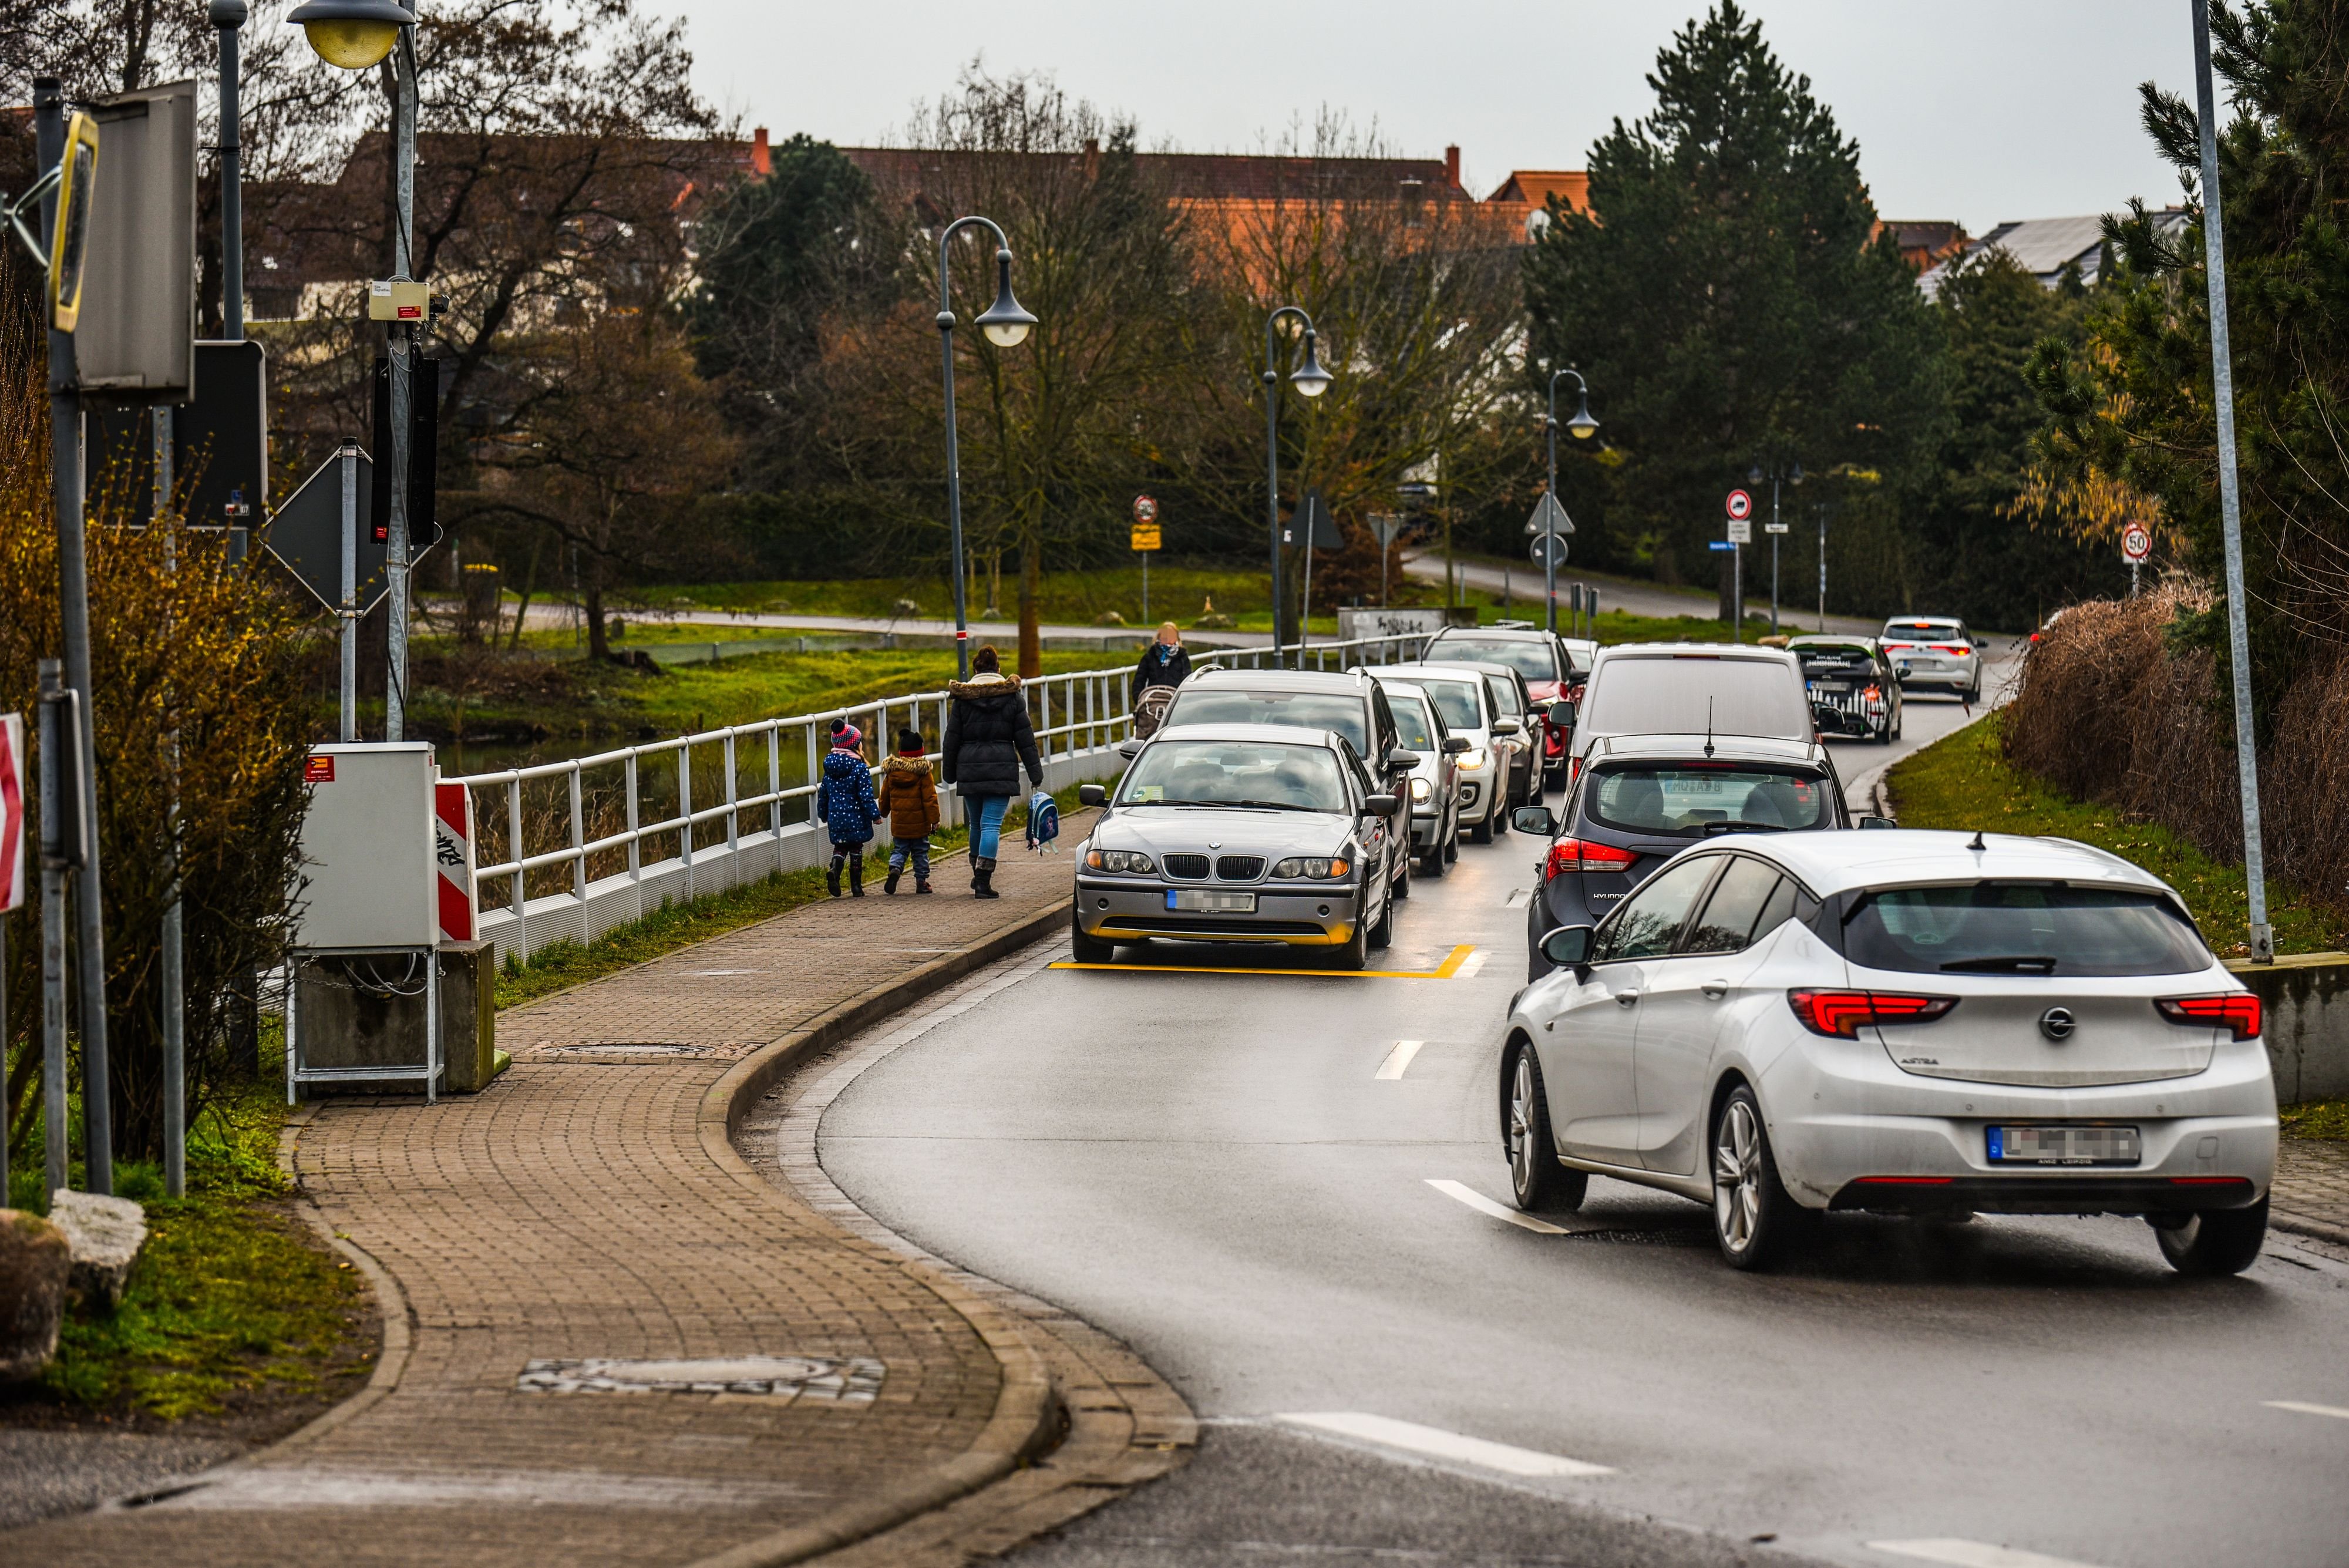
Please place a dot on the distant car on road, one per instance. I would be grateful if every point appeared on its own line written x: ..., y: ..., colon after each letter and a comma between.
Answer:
x: 1471, y: 705
x: 1642, y: 799
x: 1911, y: 1022
x: 1693, y: 689
x: 1252, y: 832
x: 1854, y: 689
x: 1435, y: 784
x: 1937, y: 652
x: 1554, y: 668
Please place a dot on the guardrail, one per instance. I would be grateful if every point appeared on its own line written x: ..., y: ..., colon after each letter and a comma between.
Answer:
x: 594, y: 842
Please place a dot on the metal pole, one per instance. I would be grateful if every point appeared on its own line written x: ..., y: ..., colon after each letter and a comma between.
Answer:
x: 349, y: 601
x: 1272, y: 464
x: 73, y: 583
x: 228, y: 16
x: 2222, y: 376
x: 1774, y: 554
x: 403, y: 396
x: 954, y: 452
x: 1737, y: 593
x: 175, y: 1014
x: 56, y: 1118
x: 1822, y: 515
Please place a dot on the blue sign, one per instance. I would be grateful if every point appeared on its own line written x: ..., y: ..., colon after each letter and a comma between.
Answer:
x: 1717, y: 544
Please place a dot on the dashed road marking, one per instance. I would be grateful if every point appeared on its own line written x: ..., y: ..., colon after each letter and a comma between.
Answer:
x: 1471, y: 964
x: 1399, y: 1058
x: 1973, y: 1555
x: 1517, y: 898
x: 2305, y: 1409
x: 1461, y: 1192
x: 1438, y: 1443
x: 1462, y: 960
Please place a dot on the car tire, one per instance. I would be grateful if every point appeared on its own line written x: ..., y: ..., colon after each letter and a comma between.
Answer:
x: 1973, y: 694
x: 1483, y: 832
x: 1754, y: 1219
x: 1086, y: 949
x: 1354, y: 953
x: 1431, y: 864
x: 1501, y: 821
x: 1382, y: 933
x: 1451, y: 845
x: 1538, y: 1183
x: 1400, y: 887
x: 2217, y: 1241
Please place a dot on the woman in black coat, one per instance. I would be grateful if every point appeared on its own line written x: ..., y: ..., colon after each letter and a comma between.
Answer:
x: 989, y: 738
x: 1165, y: 664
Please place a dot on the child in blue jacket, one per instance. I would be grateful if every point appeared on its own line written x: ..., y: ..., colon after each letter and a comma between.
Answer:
x: 845, y: 802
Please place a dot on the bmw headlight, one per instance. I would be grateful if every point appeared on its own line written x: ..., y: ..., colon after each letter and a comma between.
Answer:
x: 1127, y: 862
x: 1420, y: 793
x: 1472, y: 759
x: 1311, y: 868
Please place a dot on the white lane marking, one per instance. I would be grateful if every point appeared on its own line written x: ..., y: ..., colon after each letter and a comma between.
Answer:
x: 1438, y: 1443
x: 2333, y: 1410
x: 1471, y: 964
x: 1462, y: 1193
x: 1973, y: 1555
x: 1399, y: 1058
x: 1517, y: 898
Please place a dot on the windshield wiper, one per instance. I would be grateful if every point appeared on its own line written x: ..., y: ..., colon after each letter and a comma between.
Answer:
x: 1237, y: 804
x: 2006, y: 965
x: 1709, y: 828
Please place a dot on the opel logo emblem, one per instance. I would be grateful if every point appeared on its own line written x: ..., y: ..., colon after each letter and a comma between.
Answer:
x: 2058, y: 1024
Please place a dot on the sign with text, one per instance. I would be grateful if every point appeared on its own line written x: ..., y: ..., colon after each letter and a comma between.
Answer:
x: 1741, y: 530
x: 1145, y: 536
x: 2137, y: 542
x: 12, y: 810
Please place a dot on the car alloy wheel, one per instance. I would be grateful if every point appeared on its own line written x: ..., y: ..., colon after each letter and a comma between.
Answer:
x: 2217, y: 1241
x: 1086, y: 949
x: 1354, y: 952
x: 1752, y: 1214
x: 1536, y: 1180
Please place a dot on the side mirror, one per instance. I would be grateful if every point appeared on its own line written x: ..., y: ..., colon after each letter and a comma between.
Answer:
x: 1129, y: 749
x: 1561, y: 715
x: 1534, y: 819
x: 1402, y: 761
x: 1455, y: 745
x: 1569, y: 947
x: 1506, y: 727
x: 1877, y: 822
x: 1380, y: 804
x: 1092, y: 795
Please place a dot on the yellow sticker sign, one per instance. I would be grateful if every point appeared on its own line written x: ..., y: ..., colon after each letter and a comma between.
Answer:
x: 1145, y: 536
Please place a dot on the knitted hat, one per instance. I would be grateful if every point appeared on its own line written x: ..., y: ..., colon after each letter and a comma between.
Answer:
x: 909, y: 742
x: 845, y: 736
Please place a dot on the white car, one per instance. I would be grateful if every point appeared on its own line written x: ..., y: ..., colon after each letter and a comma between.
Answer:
x: 1905, y: 1021
x: 1933, y: 650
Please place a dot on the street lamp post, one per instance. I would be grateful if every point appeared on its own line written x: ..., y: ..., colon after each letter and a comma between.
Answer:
x: 356, y: 36
x: 1310, y: 381
x: 1583, y: 426
x: 1006, y: 326
x: 1791, y: 475
x: 1819, y: 510
x: 228, y: 16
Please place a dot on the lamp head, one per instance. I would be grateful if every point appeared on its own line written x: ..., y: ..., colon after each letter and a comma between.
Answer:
x: 227, y: 13
x: 1583, y: 426
x: 1754, y: 475
x: 352, y: 34
x: 1794, y: 474
x: 1309, y: 378
x: 1004, y: 322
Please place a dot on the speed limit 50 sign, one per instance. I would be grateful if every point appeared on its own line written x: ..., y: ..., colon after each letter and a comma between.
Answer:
x: 2137, y: 542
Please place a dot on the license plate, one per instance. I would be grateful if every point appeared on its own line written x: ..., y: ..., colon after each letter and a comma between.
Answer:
x: 1210, y: 901
x: 2064, y: 1146
x: 1835, y: 686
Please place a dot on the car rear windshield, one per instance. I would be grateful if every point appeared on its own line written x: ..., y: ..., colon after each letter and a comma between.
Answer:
x: 1531, y: 659
x: 1688, y: 802
x: 1456, y: 700
x: 2028, y: 929
x: 1820, y: 660
x: 1695, y: 695
x: 1298, y: 710
x: 1412, y: 732
x: 1234, y: 773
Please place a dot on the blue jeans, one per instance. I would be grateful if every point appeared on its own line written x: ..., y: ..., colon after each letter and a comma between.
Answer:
x: 986, y: 812
x: 919, y: 849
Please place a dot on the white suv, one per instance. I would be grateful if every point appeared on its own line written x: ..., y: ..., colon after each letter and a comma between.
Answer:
x: 1933, y: 650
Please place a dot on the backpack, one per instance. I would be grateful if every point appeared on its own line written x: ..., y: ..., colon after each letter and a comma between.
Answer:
x: 1043, y: 822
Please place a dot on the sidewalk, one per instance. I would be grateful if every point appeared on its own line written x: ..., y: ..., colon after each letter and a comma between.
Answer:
x: 588, y: 1207
x: 2311, y: 1195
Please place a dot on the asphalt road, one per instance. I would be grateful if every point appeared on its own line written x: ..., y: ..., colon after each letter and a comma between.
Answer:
x: 1235, y: 1174
x: 1636, y: 597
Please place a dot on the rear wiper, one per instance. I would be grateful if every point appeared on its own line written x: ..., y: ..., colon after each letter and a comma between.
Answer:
x: 1709, y: 828
x: 2011, y: 965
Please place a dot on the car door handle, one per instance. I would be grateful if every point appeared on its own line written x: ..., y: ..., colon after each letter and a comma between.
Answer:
x: 1715, y: 989
x: 1626, y: 997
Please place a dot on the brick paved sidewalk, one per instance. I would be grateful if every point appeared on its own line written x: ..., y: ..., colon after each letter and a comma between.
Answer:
x: 574, y: 1211
x: 2312, y: 1189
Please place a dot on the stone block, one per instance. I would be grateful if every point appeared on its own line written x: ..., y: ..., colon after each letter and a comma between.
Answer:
x: 104, y: 1235
x: 35, y: 1262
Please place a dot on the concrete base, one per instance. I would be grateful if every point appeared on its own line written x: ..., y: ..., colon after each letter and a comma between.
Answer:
x: 2305, y: 999
x: 346, y: 1026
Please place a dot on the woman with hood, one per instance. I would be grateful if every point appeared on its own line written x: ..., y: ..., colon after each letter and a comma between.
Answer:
x: 988, y: 740
x: 845, y: 804
x: 1165, y: 664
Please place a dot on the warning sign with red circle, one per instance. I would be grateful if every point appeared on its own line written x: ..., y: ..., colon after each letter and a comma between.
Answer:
x: 1145, y: 510
x: 2137, y: 542
x: 1741, y: 506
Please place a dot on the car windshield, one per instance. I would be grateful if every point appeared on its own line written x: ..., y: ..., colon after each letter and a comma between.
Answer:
x: 1531, y: 660
x: 1296, y: 710
x: 1234, y: 773
x: 1923, y: 631
x: 1455, y: 699
x: 1694, y: 695
x: 1820, y: 659
x: 1688, y: 802
x: 1413, y: 730
x: 2034, y: 929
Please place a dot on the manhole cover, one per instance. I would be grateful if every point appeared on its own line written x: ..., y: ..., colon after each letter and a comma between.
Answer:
x: 853, y: 1381
x: 637, y: 1048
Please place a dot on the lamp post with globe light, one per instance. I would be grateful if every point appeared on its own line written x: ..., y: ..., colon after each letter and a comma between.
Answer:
x: 1310, y: 381
x: 1584, y: 427
x: 1006, y: 325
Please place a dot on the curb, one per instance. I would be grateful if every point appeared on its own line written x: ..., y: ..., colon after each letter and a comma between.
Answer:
x: 1028, y: 1417
x: 2300, y: 1225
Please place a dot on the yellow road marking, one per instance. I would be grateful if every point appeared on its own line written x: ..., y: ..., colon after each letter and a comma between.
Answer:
x: 1449, y: 968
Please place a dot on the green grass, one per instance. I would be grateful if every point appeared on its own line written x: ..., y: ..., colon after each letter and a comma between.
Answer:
x: 1965, y: 782
x: 1177, y: 592
x: 2324, y: 1120
x: 234, y: 1302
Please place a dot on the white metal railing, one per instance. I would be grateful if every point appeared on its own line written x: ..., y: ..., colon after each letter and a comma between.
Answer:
x: 1079, y: 719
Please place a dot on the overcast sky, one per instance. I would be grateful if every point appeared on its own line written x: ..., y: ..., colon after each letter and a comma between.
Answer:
x: 1978, y: 113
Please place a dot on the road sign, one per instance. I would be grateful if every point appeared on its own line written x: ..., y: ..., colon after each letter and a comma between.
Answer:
x: 1549, y: 517
x: 1775, y: 527
x: 1741, y: 506
x: 1741, y: 530
x: 12, y: 810
x: 1548, y: 549
x: 1387, y: 527
x: 1312, y: 526
x: 1145, y: 510
x: 306, y: 534
x: 1721, y: 545
x: 1145, y: 536
x: 2137, y: 542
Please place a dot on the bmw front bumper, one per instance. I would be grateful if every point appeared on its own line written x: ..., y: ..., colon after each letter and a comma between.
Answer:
x: 1125, y: 911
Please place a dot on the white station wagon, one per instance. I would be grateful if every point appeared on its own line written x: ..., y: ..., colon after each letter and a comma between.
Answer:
x: 1907, y: 1022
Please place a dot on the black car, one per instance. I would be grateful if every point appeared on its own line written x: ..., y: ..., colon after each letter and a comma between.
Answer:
x: 1641, y: 799
x: 1854, y: 689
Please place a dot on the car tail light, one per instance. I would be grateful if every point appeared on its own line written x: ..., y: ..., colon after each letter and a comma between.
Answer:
x: 1840, y: 1013
x: 2238, y: 1010
x: 1950, y: 647
x: 1580, y: 855
x: 1896, y: 646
